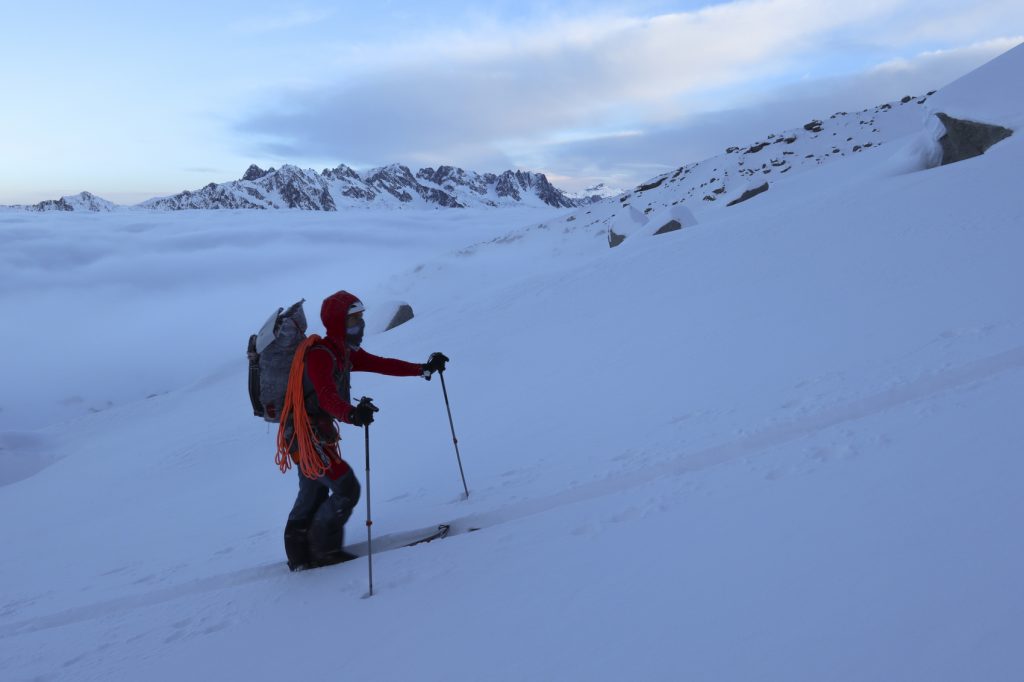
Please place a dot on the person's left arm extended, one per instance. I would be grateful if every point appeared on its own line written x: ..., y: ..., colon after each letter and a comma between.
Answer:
x: 367, y: 362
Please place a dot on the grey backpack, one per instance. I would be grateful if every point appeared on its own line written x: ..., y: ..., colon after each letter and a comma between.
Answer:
x: 270, y: 360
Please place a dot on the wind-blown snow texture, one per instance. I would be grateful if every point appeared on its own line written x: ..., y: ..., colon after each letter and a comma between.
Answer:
x: 779, y: 443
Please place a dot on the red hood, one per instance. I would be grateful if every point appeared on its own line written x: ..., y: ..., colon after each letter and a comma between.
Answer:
x: 334, y: 315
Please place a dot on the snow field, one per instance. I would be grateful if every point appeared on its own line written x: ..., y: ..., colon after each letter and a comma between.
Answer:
x: 778, y: 444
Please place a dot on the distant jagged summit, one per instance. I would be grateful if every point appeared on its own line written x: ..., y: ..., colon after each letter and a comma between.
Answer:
x: 595, y: 193
x: 83, y: 201
x: 392, y: 185
x: 254, y: 172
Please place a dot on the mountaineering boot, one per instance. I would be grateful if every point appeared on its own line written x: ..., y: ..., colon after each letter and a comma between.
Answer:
x: 296, y: 545
x: 331, y: 558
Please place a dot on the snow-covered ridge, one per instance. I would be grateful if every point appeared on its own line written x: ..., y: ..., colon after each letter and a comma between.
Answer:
x: 744, y: 171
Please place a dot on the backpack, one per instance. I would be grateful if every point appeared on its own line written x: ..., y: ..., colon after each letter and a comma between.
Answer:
x: 270, y: 359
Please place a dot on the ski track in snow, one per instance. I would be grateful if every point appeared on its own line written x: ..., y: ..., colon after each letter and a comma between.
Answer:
x: 765, y: 439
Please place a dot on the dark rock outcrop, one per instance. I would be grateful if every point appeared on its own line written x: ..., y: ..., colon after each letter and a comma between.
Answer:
x: 395, y: 179
x: 254, y: 172
x: 451, y: 178
x: 52, y: 205
x: 749, y: 194
x: 651, y: 185
x: 401, y: 316
x: 670, y: 226
x: 967, y: 139
x: 340, y: 172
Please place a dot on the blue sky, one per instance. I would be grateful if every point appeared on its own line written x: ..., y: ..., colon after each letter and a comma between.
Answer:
x: 131, y: 100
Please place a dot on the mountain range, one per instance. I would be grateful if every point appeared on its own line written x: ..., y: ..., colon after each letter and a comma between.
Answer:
x: 395, y: 185
x: 721, y: 180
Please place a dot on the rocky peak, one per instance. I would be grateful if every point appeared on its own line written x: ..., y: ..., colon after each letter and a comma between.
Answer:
x: 254, y: 172
x: 340, y: 172
x: 83, y: 201
x: 513, y: 184
x: 453, y: 178
x: 394, y: 172
x: 394, y: 179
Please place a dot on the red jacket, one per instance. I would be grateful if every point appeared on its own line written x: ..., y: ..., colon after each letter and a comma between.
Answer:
x: 320, y: 370
x: 321, y: 366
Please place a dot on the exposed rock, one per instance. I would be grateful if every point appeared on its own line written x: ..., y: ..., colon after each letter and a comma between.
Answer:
x: 451, y: 178
x: 750, y: 193
x: 615, y: 239
x: 401, y: 316
x: 967, y: 139
x: 814, y: 126
x: 515, y: 183
x: 340, y: 172
x: 670, y: 226
x: 52, y: 205
x: 395, y: 179
x: 651, y: 185
x: 254, y: 172
x: 301, y: 190
x: 359, y: 193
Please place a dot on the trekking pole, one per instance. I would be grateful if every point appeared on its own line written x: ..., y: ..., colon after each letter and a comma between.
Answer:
x: 369, y: 521
x: 454, y: 439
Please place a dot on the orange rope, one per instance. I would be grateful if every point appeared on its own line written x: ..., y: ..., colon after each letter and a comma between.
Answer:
x: 306, y: 455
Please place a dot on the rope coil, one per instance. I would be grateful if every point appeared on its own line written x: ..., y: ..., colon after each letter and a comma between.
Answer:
x: 303, y: 441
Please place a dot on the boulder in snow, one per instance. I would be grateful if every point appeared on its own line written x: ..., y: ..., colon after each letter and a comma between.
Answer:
x: 967, y: 139
x: 401, y: 315
x: 749, y: 194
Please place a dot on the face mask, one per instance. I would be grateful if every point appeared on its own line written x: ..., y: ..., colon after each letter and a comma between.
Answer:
x: 354, y: 335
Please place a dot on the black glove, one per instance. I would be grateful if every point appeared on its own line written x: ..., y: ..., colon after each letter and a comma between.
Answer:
x: 436, y: 363
x: 362, y: 414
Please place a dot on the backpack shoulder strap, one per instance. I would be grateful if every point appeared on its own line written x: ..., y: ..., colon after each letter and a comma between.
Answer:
x: 324, y: 347
x: 334, y: 356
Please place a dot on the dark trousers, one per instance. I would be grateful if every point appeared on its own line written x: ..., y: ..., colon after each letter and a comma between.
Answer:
x: 316, y: 525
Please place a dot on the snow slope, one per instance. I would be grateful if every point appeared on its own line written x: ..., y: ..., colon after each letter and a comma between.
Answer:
x: 780, y: 443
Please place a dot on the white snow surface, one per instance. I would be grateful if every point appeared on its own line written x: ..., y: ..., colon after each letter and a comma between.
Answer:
x: 781, y: 443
